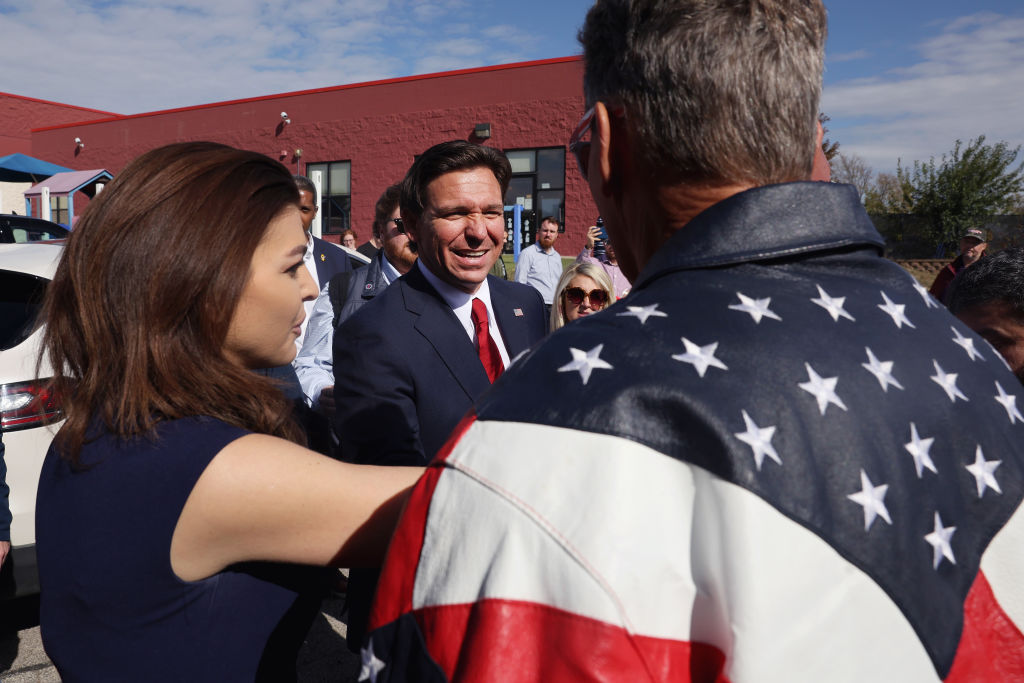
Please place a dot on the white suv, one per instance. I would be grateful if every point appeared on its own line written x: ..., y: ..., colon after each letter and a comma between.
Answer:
x: 25, y: 271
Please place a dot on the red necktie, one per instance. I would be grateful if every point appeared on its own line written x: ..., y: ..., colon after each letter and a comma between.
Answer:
x: 485, y: 346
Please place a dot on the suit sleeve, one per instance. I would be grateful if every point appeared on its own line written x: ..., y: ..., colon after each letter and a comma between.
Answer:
x: 376, y: 418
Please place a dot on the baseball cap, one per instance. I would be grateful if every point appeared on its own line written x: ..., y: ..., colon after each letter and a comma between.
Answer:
x: 976, y: 233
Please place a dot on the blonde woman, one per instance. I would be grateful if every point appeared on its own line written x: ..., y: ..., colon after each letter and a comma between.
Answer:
x: 583, y: 289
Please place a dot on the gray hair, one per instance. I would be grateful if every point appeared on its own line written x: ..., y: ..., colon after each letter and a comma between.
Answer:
x: 715, y: 91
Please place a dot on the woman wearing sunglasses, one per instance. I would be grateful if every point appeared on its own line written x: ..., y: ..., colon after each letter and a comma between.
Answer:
x: 583, y: 289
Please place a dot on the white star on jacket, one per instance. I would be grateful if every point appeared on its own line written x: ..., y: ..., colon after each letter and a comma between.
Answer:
x: 585, y: 362
x: 642, y: 313
x: 983, y: 472
x: 882, y: 370
x: 919, y: 449
x: 895, y: 311
x: 947, y: 380
x: 760, y: 441
x: 834, y: 305
x: 700, y: 357
x: 871, y: 498
x: 929, y: 300
x: 371, y: 665
x: 1009, y: 403
x: 940, y: 540
x: 757, y: 308
x: 822, y: 388
x: 967, y: 344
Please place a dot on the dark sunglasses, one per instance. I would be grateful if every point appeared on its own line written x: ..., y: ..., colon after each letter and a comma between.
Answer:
x: 576, y: 295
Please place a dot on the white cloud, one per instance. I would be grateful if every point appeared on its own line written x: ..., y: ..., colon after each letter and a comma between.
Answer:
x: 848, y: 56
x: 131, y: 56
x: 968, y: 82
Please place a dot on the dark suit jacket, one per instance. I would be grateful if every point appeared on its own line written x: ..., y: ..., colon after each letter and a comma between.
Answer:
x: 406, y: 371
x: 330, y: 259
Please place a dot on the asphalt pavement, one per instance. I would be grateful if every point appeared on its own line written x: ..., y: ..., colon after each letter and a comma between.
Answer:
x: 324, y: 656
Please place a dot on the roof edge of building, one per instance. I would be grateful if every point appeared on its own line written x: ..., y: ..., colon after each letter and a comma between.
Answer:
x: 296, y: 93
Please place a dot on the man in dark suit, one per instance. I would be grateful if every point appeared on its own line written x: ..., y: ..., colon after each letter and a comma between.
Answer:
x: 411, y: 362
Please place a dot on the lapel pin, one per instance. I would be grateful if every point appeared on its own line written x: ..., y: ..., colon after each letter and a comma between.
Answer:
x: 518, y: 312
x: 323, y: 257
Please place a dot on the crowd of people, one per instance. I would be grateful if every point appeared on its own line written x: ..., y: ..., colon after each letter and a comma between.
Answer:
x: 740, y: 445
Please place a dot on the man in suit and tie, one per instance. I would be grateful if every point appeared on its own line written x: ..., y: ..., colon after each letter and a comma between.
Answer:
x: 411, y: 362
x: 323, y: 259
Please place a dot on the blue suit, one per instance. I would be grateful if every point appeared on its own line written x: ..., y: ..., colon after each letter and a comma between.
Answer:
x: 330, y: 259
x: 406, y: 371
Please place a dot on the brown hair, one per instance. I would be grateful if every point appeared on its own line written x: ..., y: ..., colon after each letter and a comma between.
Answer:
x: 447, y: 157
x: 383, y: 209
x: 139, y: 308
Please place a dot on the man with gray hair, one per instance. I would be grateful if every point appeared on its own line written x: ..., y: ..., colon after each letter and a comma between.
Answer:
x: 776, y: 459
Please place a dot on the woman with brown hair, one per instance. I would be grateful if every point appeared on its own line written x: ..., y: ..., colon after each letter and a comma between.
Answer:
x: 175, y: 504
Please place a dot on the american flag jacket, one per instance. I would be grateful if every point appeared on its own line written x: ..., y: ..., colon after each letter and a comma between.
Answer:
x: 778, y: 459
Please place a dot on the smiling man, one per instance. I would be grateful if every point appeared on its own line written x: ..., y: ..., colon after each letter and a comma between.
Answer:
x: 539, y: 264
x: 410, y: 363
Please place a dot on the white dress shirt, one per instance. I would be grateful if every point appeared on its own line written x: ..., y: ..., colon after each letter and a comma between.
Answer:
x: 462, y: 305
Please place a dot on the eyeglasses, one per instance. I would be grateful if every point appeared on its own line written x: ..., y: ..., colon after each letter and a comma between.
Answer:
x: 579, y: 147
x: 576, y: 295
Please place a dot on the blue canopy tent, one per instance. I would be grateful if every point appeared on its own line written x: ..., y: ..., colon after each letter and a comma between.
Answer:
x: 21, y: 168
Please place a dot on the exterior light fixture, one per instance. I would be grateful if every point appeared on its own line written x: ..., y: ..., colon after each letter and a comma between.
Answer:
x: 284, y: 117
x: 482, y: 131
x: 79, y: 144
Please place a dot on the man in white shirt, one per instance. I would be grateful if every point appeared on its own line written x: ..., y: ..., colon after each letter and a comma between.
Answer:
x: 539, y: 264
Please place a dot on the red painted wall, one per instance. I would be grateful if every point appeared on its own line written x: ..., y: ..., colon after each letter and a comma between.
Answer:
x: 378, y: 126
x: 19, y: 115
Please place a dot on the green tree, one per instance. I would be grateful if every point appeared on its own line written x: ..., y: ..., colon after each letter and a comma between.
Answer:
x: 964, y: 188
x: 887, y: 194
x: 829, y: 147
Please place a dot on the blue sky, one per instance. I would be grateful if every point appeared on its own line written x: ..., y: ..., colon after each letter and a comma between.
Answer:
x: 904, y: 79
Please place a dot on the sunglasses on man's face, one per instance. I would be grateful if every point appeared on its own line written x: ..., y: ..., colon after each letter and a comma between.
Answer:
x: 576, y: 295
x: 579, y: 147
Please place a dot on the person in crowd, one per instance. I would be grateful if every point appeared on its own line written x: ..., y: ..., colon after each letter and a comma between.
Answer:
x: 370, y: 247
x: 989, y: 298
x: 583, y: 289
x: 608, y: 263
x: 348, y: 238
x: 410, y: 363
x: 973, y: 244
x: 776, y: 456
x: 314, y: 363
x: 539, y: 264
x: 175, y: 509
x: 322, y: 258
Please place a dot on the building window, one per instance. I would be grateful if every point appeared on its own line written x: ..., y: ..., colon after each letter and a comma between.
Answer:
x: 538, y: 183
x: 336, y: 195
x: 59, y: 210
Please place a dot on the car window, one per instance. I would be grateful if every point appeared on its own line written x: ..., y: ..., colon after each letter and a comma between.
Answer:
x: 23, y: 229
x: 21, y: 298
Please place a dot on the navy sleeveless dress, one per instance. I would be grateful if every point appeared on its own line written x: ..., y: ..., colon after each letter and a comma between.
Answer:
x: 111, y: 607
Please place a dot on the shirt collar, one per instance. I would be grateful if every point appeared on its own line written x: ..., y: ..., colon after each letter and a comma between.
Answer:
x: 454, y: 297
x: 763, y: 223
x: 389, y: 272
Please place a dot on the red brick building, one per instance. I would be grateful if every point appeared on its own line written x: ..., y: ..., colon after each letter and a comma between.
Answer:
x: 362, y: 136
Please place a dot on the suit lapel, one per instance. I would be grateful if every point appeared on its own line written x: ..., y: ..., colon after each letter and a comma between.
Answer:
x: 439, y: 326
x: 514, y: 328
